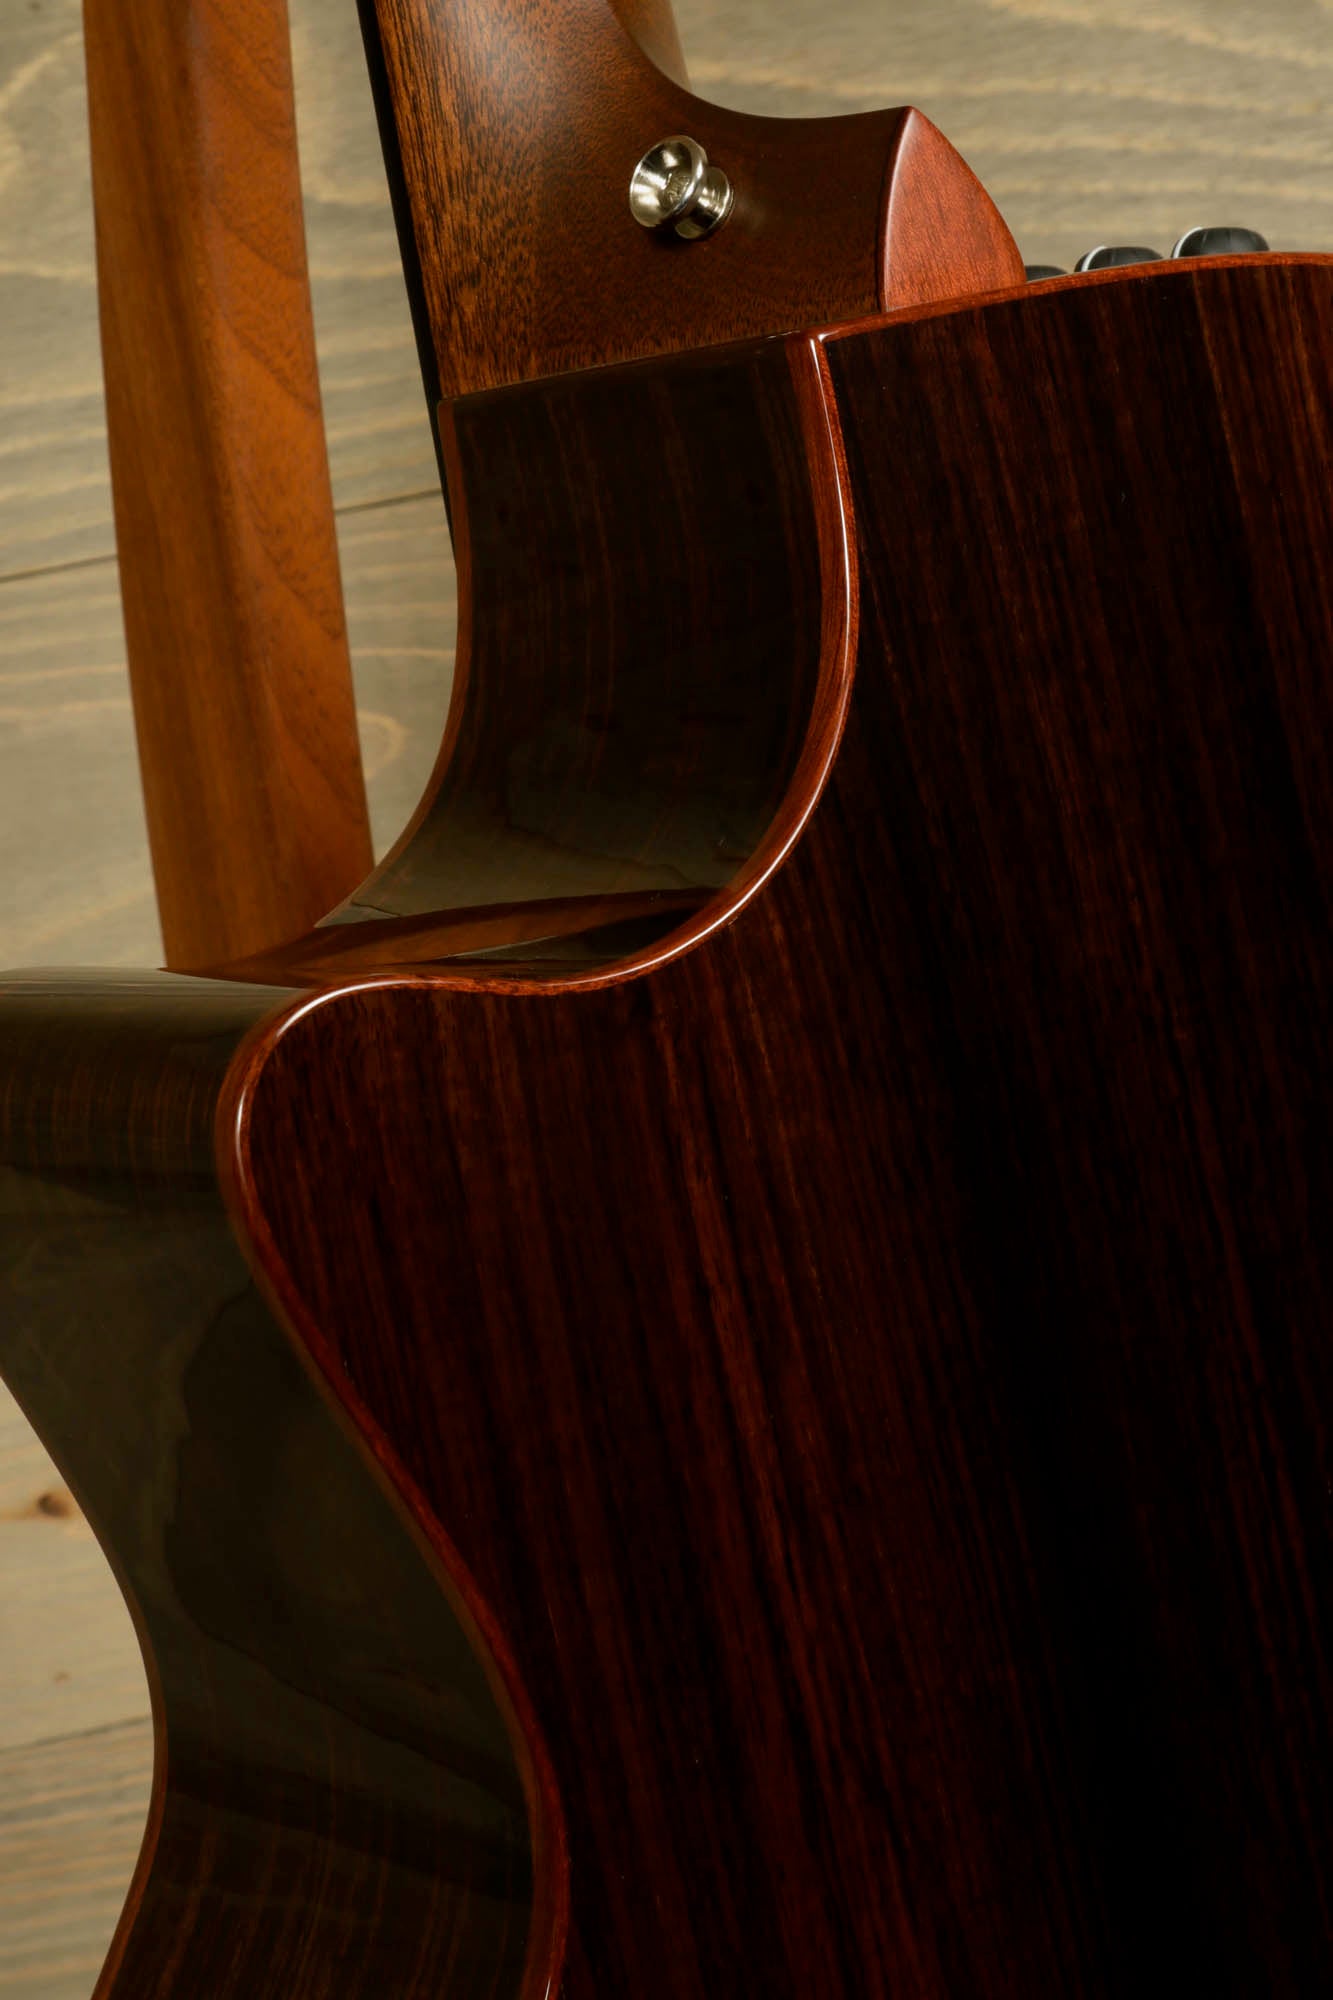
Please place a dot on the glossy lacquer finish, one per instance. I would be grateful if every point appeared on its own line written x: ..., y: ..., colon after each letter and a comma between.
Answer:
x: 876, y: 1366
x: 340, y: 1804
x: 637, y: 696
x: 635, y: 693
x: 865, y: 1376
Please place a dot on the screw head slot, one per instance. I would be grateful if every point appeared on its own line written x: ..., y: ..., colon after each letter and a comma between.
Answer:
x: 674, y: 188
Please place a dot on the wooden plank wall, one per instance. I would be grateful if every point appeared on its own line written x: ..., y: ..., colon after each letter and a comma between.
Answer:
x: 1090, y: 120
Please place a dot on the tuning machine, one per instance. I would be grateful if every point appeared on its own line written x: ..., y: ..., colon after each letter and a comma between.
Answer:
x: 1214, y: 241
x: 1220, y: 242
x: 1115, y: 256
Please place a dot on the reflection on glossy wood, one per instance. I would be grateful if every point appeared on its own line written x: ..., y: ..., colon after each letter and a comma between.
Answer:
x: 626, y: 721
x: 630, y: 721
x: 342, y: 1796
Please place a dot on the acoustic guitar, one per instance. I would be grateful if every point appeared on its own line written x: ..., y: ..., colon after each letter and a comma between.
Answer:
x: 722, y: 1383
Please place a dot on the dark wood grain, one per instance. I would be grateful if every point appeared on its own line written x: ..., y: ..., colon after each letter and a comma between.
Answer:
x: 345, y: 1800
x: 511, y: 134
x: 624, y: 721
x: 875, y: 1364
x: 224, y: 516
x: 633, y: 728
x: 862, y: 1381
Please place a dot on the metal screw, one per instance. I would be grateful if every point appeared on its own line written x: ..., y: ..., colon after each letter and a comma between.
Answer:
x: 673, y: 187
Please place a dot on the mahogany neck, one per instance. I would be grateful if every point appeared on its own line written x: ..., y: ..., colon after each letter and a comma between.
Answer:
x: 512, y: 132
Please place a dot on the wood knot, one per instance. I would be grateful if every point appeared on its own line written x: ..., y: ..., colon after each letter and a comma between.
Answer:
x: 56, y: 1504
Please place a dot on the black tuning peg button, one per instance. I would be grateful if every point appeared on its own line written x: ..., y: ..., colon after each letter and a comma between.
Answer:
x: 1110, y: 257
x: 1219, y: 243
x: 1036, y: 272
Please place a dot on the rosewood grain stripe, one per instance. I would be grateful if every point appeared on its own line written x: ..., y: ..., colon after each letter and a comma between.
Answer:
x: 922, y: 1336
x: 870, y: 1365
x: 342, y: 1797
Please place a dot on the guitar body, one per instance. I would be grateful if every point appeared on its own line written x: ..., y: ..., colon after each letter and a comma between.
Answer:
x: 793, y: 1407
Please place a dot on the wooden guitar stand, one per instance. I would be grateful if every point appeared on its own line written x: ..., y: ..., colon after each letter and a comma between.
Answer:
x: 720, y: 1383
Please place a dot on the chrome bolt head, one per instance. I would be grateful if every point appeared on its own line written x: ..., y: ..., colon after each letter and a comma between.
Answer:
x: 674, y: 188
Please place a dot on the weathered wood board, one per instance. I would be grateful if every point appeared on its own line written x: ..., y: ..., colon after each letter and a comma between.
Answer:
x: 69, y: 799
x: 71, y: 1663
x: 55, y: 501
x: 72, y: 1816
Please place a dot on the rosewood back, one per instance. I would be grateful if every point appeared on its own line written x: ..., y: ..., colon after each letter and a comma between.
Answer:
x: 860, y: 1363
x: 875, y: 1363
